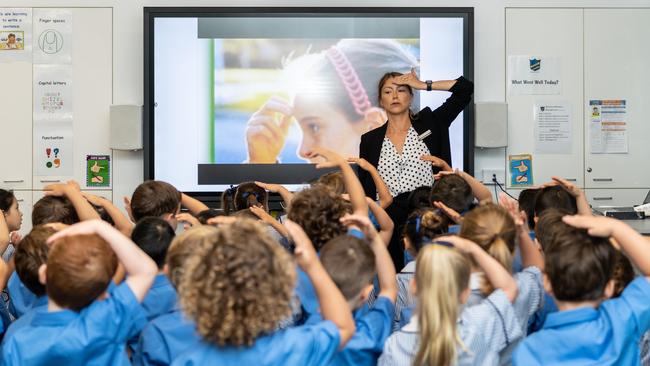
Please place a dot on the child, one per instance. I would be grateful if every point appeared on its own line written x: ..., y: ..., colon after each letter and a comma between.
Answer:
x: 64, y: 203
x: 238, y: 286
x: 384, y: 198
x: 170, y: 334
x: 492, y: 227
x: 10, y: 221
x: 242, y: 197
x: 589, y: 329
x: 153, y: 236
x: 440, y: 333
x: 318, y: 210
x: 27, y: 293
x: 526, y: 201
x: 352, y: 263
x: 82, y: 325
x: 155, y: 198
x: 422, y: 226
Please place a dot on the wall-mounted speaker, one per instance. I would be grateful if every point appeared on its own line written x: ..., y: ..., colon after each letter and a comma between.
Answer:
x: 491, y: 125
x: 126, y: 127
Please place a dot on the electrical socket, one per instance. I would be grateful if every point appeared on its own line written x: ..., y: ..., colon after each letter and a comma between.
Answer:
x: 499, y: 173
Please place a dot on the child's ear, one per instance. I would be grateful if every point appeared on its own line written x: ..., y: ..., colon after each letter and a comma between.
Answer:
x: 165, y: 270
x: 413, y: 286
x: 407, y: 243
x: 42, y: 274
x: 609, y: 289
x: 547, y: 285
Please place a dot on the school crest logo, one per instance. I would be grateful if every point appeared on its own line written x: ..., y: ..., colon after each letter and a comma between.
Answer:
x: 535, y: 64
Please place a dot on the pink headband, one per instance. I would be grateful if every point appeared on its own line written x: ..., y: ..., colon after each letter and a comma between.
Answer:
x: 350, y: 79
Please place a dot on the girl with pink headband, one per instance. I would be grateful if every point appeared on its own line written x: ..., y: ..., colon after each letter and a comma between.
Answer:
x: 334, y: 99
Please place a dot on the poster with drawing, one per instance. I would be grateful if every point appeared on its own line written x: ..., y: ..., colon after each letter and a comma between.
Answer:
x: 15, y: 34
x: 53, y: 148
x: 52, y: 36
x: 53, y: 92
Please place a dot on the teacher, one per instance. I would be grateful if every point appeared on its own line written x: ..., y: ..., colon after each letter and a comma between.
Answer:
x: 396, y: 147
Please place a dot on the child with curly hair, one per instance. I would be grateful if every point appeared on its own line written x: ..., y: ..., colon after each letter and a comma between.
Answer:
x: 238, y: 286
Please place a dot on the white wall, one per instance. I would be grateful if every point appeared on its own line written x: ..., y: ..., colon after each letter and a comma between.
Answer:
x: 489, y: 58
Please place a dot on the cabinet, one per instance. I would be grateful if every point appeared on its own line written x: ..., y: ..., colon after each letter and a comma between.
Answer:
x: 601, y: 56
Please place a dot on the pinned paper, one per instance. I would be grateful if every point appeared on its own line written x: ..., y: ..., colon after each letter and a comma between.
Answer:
x: 15, y: 34
x: 53, y: 36
x: 98, y: 170
x: 608, y: 132
x: 533, y: 74
x: 53, y: 148
x: 53, y: 92
x: 553, y: 128
x: 521, y: 170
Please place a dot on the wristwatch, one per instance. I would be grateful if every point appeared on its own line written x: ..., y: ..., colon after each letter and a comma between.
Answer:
x: 429, y: 82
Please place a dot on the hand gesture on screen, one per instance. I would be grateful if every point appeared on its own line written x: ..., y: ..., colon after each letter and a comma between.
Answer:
x: 267, y: 130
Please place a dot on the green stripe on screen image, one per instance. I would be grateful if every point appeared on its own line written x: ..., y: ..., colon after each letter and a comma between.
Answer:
x: 211, y: 104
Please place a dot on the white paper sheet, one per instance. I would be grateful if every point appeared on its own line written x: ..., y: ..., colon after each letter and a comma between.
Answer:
x: 553, y: 128
x: 53, y: 92
x: 15, y: 34
x: 52, y: 36
x: 53, y: 148
x: 608, y: 132
x: 534, y: 75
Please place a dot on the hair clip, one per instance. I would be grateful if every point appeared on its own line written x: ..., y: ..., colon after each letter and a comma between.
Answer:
x: 444, y: 243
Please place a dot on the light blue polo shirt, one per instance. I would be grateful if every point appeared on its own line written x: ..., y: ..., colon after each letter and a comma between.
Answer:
x: 95, y: 336
x: 22, y: 299
x: 300, y: 346
x: 608, y: 335
x: 164, y: 338
x: 39, y: 305
x: 161, y: 299
x: 373, y: 326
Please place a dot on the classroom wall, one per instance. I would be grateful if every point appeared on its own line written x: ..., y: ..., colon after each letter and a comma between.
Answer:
x: 489, y: 58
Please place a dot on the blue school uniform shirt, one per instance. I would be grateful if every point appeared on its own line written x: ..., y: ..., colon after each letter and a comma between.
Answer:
x: 161, y: 299
x: 94, y: 336
x: 373, y: 326
x: 305, y: 290
x: 301, y: 346
x: 22, y: 299
x: 39, y: 305
x: 608, y: 335
x: 165, y: 338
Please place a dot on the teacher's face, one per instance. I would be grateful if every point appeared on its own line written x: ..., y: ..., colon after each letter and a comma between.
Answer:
x: 325, y: 126
x: 395, y: 99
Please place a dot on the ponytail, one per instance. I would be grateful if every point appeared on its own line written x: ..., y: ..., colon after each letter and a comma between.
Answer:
x: 227, y: 200
x: 424, y: 225
x: 441, y: 275
x: 493, y: 229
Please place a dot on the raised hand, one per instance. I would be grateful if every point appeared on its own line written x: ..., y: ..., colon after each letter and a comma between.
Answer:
x: 361, y: 162
x: 437, y: 162
x: 596, y: 225
x: 188, y: 220
x: 267, y: 131
x: 305, y: 253
x: 411, y: 79
x: 452, y: 214
x: 362, y: 222
x: 331, y: 158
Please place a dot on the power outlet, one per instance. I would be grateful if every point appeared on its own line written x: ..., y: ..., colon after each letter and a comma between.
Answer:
x: 499, y: 173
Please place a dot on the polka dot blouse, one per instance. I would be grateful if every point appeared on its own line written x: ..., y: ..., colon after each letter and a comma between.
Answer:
x: 404, y: 172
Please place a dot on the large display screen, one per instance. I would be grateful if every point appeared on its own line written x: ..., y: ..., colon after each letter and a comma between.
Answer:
x: 243, y: 94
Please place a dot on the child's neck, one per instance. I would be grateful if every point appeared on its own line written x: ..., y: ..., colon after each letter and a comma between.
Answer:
x: 571, y: 305
x: 53, y: 307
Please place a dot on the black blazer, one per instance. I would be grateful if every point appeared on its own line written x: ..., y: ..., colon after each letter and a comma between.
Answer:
x: 436, y: 121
